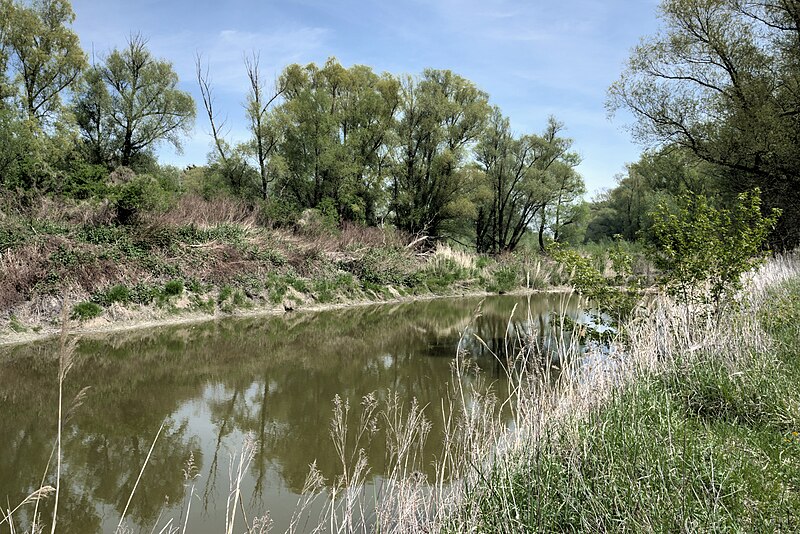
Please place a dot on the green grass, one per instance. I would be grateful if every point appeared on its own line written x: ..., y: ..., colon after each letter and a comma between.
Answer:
x: 707, y: 444
x: 84, y: 311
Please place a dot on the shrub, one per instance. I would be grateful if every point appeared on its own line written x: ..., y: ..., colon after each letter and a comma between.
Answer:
x: 173, y: 288
x: 505, y: 280
x: 118, y: 293
x: 278, y: 212
x: 702, y: 251
x: 85, y: 180
x: 86, y: 310
x: 140, y: 194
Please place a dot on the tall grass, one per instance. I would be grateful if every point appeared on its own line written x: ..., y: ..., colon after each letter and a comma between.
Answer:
x: 679, y: 425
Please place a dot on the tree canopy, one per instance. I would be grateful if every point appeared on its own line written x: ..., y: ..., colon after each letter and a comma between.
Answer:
x: 722, y: 80
x: 131, y: 102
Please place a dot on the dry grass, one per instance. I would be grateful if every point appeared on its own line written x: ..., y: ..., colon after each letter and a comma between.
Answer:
x: 194, y: 209
x: 479, y: 460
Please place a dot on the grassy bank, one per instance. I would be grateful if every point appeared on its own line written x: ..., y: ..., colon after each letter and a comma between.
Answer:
x: 694, y: 430
x: 216, y: 257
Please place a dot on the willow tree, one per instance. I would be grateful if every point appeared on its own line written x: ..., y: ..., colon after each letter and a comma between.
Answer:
x: 337, y: 122
x: 441, y: 117
x: 136, y: 97
x: 523, y: 177
x: 44, y: 54
x: 722, y: 80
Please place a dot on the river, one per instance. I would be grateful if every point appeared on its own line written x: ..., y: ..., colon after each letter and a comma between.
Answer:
x: 212, y: 384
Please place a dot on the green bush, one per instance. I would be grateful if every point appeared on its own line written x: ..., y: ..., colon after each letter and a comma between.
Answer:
x: 505, y: 279
x: 118, y: 293
x: 702, y: 251
x: 84, y: 180
x: 173, y: 288
x: 144, y: 293
x: 140, y: 194
x: 86, y: 310
x: 278, y: 212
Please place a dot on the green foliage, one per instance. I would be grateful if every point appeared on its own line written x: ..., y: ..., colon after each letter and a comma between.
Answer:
x: 719, y: 80
x: 782, y: 316
x: 505, y: 279
x: 207, y: 305
x: 621, y: 261
x: 225, y: 292
x: 230, y: 298
x: 605, y: 295
x: 142, y: 293
x: 521, y: 178
x: 173, y: 288
x: 118, y: 293
x: 140, y: 194
x: 45, y: 54
x: 85, y: 180
x: 84, y: 311
x: 702, y: 251
x: 131, y: 102
x: 431, y: 174
x: 280, y: 212
x: 442, y: 273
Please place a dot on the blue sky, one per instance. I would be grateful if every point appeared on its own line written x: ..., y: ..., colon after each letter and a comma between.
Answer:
x: 535, y: 58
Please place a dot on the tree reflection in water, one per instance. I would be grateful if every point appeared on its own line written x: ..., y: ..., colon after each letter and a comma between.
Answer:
x: 216, y: 382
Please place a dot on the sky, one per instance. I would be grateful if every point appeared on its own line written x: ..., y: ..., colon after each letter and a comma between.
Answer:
x: 535, y: 58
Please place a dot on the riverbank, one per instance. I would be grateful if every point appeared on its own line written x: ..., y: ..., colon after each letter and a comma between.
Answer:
x: 206, y: 259
x: 154, y: 317
x: 693, y: 427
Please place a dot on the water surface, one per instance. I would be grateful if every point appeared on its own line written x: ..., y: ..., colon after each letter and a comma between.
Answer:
x: 212, y: 384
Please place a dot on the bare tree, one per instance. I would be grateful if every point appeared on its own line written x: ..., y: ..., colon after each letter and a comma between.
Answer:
x: 266, y: 134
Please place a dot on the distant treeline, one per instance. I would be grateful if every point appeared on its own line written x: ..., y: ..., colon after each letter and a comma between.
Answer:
x: 716, y: 96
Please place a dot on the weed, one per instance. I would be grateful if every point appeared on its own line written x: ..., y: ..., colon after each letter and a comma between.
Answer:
x: 206, y: 305
x: 504, y: 280
x: 86, y: 310
x: 225, y: 292
x: 118, y: 293
x: 15, y: 324
x: 173, y: 288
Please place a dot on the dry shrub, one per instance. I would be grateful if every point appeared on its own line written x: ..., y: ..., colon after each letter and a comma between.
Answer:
x: 357, y: 235
x: 20, y: 269
x: 194, y: 209
x: 73, y: 211
x: 445, y: 253
x: 306, y: 261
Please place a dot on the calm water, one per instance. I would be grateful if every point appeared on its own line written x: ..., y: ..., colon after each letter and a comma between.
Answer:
x: 211, y: 384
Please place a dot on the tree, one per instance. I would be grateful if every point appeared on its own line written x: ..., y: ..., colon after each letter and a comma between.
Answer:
x: 95, y: 122
x: 658, y: 177
x: 702, y: 251
x: 265, y: 131
x: 722, y: 80
x: 336, y: 126
x: 138, y: 101
x: 441, y: 117
x: 565, y: 208
x: 44, y: 52
x: 517, y: 181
